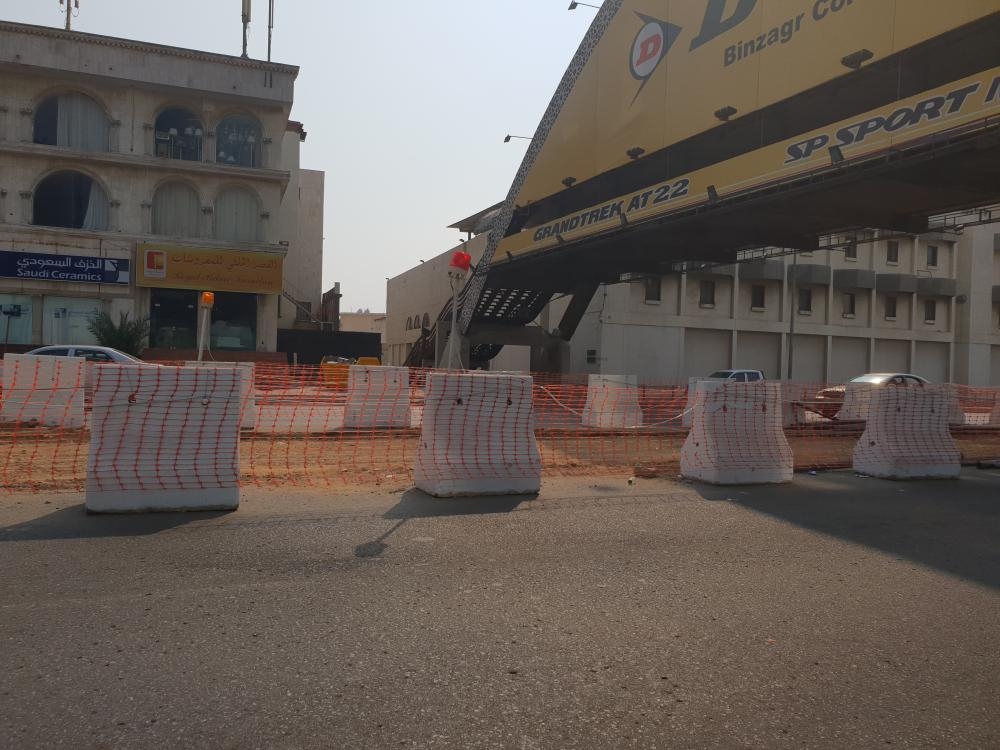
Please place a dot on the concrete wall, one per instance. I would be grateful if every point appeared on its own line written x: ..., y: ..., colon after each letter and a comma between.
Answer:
x: 299, y: 222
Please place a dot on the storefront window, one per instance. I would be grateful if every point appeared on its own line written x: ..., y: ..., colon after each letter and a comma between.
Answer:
x: 234, y: 321
x: 173, y: 319
x: 65, y: 320
x: 15, y: 321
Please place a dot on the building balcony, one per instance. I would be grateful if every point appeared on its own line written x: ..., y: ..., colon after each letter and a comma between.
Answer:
x: 160, y: 164
x: 766, y: 270
x: 854, y: 278
x: 930, y: 287
x: 895, y: 283
x: 812, y: 274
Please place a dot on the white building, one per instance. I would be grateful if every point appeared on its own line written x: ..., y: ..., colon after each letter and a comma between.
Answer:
x: 133, y: 175
x: 928, y: 304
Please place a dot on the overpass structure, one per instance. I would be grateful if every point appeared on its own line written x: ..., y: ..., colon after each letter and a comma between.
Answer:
x: 692, y: 132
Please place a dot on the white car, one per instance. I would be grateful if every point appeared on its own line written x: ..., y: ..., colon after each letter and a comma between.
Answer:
x: 94, y: 355
x: 97, y: 354
x: 737, y: 376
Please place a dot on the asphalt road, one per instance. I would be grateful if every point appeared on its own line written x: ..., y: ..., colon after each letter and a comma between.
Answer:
x: 837, y: 612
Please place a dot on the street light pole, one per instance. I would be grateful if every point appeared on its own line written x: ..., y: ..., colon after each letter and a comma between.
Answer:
x: 793, y: 289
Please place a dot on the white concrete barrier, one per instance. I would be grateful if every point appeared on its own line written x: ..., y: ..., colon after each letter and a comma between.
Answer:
x: 612, y: 401
x: 857, y: 398
x: 736, y: 435
x: 164, y: 438
x: 42, y: 390
x: 907, y: 435
x: 248, y: 408
x: 477, y: 436
x: 377, y: 397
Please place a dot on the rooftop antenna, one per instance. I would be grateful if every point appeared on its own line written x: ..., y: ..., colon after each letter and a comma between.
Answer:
x: 246, y: 24
x: 71, y: 5
x: 270, y: 27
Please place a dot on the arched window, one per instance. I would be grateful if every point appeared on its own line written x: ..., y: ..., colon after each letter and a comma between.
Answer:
x: 426, y: 322
x: 178, y: 135
x: 409, y: 324
x: 72, y: 121
x: 72, y: 200
x: 175, y: 210
x: 237, y: 141
x: 237, y: 216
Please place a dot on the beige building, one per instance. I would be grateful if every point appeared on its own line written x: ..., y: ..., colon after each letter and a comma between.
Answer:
x: 363, y: 322
x: 133, y: 175
x: 928, y: 304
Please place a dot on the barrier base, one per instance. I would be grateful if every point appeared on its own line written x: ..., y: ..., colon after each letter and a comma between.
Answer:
x: 906, y: 470
x: 161, y: 501
x: 776, y: 475
x: 476, y: 487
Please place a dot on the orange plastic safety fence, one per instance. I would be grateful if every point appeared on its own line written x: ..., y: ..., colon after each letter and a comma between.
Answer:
x: 334, y: 425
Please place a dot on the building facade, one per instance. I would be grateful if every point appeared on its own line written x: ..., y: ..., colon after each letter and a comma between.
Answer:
x: 133, y: 176
x: 928, y: 304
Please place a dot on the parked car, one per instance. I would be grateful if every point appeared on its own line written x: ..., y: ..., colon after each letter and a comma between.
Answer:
x: 738, y: 376
x: 94, y: 355
x: 829, y: 401
x: 98, y: 354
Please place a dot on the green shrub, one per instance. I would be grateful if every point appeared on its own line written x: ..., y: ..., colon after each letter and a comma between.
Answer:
x: 126, y: 335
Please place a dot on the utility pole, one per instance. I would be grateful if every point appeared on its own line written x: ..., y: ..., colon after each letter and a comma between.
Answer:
x: 246, y: 24
x: 793, y: 294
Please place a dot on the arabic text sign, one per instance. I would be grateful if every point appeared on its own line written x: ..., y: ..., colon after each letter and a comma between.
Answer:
x: 71, y: 268
x: 172, y: 267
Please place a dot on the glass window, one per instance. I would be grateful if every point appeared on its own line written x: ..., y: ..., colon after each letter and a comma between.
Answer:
x: 930, y: 311
x: 237, y: 216
x: 890, y: 308
x: 234, y: 321
x: 72, y: 121
x: 805, y: 300
x: 932, y: 256
x: 237, y: 141
x: 851, y: 251
x: 176, y: 210
x: 173, y: 319
x: 66, y: 319
x: 591, y: 356
x: 178, y: 135
x: 892, y: 251
x: 706, y: 293
x: 54, y: 353
x: 71, y: 200
x: 425, y: 322
x: 849, y: 302
x: 758, y: 296
x: 15, y: 317
x: 92, y: 355
x: 652, y: 288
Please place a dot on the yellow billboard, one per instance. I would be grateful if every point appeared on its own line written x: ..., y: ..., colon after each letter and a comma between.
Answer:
x: 664, y: 69
x: 174, y: 267
x: 971, y: 102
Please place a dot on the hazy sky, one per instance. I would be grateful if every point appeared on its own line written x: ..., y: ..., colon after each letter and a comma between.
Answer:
x: 406, y: 104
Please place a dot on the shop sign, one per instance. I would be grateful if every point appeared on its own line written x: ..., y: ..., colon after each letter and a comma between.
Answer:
x: 171, y: 267
x: 72, y: 268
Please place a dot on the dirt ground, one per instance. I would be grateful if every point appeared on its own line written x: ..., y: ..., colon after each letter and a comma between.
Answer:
x: 40, y: 459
